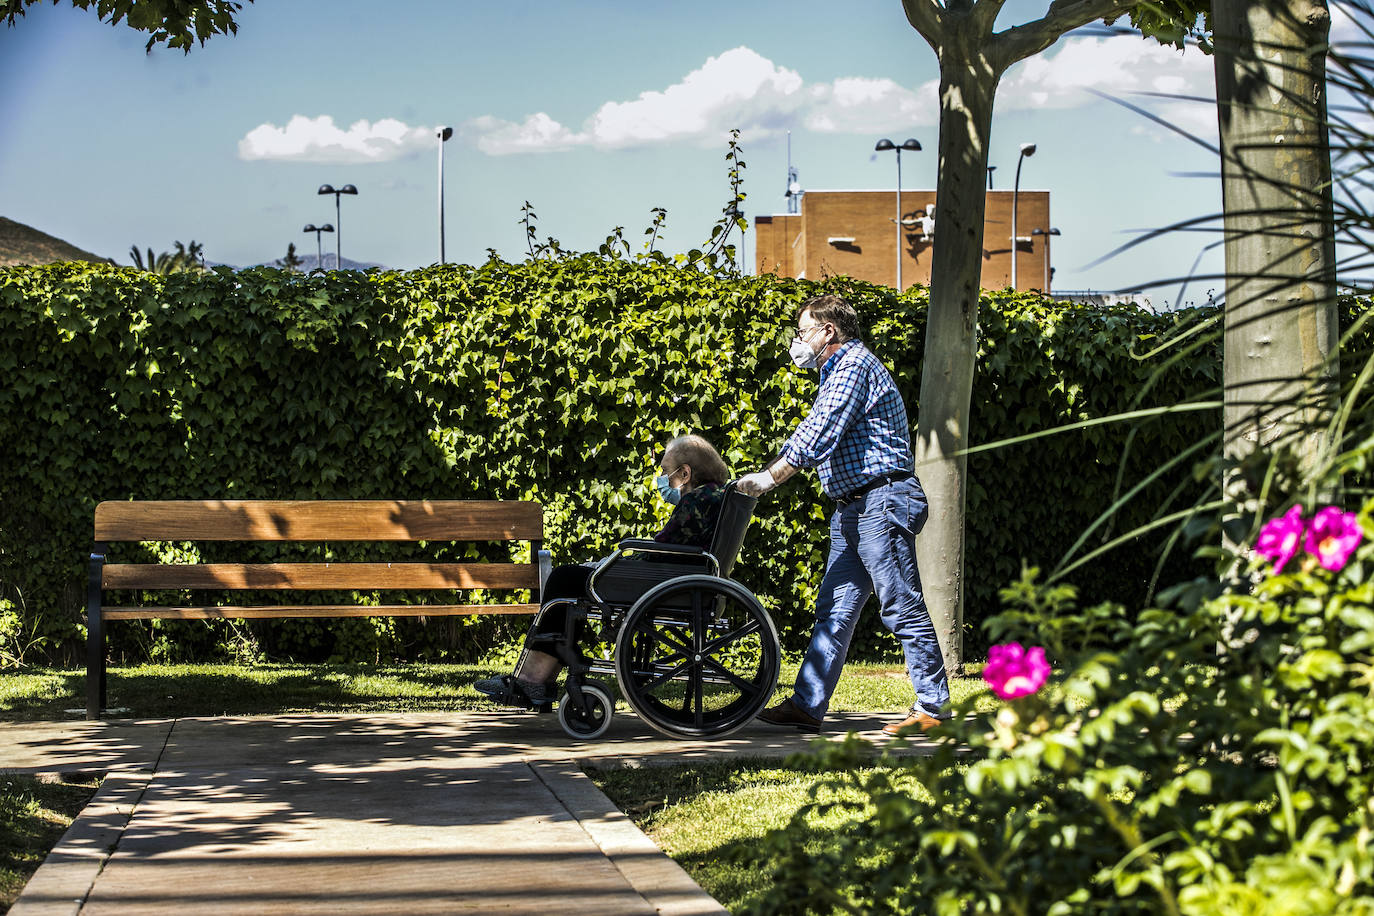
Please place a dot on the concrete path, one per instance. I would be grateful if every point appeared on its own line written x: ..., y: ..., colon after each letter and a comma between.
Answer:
x: 463, y: 812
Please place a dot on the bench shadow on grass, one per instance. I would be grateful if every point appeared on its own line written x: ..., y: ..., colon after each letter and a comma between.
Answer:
x: 158, y: 692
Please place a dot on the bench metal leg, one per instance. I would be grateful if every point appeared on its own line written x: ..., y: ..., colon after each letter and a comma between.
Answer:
x: 545, y: 562
x: 95, y: 639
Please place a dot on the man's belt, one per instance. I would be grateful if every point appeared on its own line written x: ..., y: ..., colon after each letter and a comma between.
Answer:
x: 873, y: 484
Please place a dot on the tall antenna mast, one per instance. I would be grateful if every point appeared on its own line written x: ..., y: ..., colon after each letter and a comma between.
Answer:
x: 794, y: 190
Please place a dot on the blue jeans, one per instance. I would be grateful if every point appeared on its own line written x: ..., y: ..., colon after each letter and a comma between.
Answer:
x: 873, y: 549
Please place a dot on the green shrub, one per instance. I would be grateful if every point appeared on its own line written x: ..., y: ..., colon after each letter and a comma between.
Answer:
x: 1212, y: 761
x: 552, y: 380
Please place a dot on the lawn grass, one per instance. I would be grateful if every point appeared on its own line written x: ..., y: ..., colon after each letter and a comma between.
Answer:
x: 34, y: 813
x: 711, y: 818
x: 881, y: 687
x: 168, y: 691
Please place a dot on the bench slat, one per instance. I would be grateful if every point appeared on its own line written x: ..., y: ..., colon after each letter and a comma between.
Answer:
x: 322, y: 575
x: 319, y: 520
x: 313, y: 610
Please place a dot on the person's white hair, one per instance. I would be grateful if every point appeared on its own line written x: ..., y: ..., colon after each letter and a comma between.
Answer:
x: 699, y: 455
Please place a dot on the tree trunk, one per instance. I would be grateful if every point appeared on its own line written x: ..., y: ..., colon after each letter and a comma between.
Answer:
x: 968, y: 83
x: 1281, y: 324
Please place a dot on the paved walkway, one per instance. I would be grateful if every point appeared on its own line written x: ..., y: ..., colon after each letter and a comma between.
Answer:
x: 464, y: 812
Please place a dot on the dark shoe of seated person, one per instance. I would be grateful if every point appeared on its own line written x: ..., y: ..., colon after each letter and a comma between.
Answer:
x: 916, y: 720
x: 786, y: 713
x: 510, y: 691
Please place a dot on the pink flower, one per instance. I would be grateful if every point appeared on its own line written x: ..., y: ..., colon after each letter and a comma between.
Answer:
x: 1333, y: 537
x: 1280, y: 538
x: 1014, y: 671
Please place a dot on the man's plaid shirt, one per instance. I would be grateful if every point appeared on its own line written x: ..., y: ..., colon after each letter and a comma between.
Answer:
x: 857, y: 429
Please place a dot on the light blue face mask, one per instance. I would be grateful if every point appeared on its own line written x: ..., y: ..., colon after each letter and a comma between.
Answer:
x: 670, y: 494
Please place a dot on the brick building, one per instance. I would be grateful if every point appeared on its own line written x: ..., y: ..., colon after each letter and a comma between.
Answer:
x: 853, y: 233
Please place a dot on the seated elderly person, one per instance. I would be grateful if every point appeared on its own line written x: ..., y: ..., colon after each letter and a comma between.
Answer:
x: 692, y: 478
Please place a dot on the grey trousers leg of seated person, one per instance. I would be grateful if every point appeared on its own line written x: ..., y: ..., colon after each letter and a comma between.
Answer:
x: 567, y: 581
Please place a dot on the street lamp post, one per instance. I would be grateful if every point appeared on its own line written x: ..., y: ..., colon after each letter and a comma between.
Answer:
x: 1027, y: 149
x: 319, y: 251
x: 991, y: 169
x: 443, y: 134
x: 1046, y: 233
x: 338, y: 219
x: 911, y: 146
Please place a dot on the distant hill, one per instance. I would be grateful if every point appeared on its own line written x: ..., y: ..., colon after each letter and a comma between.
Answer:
x: 20, y: 244
x: 308, y: 263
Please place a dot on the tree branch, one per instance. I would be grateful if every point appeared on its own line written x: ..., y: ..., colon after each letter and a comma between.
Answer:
x: 926, y: 18
x: 985, y: 14
x: 1022, y: 41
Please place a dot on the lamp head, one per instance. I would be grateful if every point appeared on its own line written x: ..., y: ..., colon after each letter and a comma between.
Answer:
x: 309, y: 227
x: 348, y: 189
x: 884, y: 144
x: 912, y: 145
x: 327, y: 227
x: 444, y: 133
x: 1027, y: 149
x: 325, y: 189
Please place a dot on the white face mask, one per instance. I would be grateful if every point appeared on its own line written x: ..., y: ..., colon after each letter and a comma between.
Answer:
x: 801, y: 352
x: 803, y: 355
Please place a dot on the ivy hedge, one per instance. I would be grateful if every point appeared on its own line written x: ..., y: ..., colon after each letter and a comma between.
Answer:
x: 554, y: 380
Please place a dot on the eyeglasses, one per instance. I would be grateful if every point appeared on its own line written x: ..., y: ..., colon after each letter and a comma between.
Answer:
x: 800, y: 336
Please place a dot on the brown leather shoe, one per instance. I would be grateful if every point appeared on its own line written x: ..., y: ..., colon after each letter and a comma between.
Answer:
x: 786, y: 713
x: 914, y: 720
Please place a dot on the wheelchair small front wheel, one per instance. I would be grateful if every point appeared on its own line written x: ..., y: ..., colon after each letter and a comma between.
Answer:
x: 592, y: 722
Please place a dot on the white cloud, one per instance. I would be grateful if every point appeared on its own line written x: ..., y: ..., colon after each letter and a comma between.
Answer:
x: 856, y: 104
x: 539, y: 133
x: 1345, y: 29
x: 741, y: 88
x: 306, y: 139
x: 1122, y: 66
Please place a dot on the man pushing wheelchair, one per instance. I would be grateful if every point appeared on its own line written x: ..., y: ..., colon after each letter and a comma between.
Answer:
x: 695, y: 652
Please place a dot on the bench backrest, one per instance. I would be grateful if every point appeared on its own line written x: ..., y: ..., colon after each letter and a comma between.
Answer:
x: 319, y: 520
x: 301, y: 520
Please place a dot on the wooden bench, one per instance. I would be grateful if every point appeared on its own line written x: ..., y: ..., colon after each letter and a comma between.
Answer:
x: 305, y: 520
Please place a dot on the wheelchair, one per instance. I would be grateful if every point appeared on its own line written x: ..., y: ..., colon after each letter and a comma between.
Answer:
x: 694, y: 652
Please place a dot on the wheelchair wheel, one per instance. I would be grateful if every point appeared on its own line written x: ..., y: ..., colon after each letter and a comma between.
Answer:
x: 697, y: 657
x: 592, y: 724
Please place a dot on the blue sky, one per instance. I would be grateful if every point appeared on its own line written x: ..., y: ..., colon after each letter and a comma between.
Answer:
x: 594, y: 112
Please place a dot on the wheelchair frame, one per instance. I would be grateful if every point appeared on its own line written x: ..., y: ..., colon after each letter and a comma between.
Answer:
x: 694, y: 652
